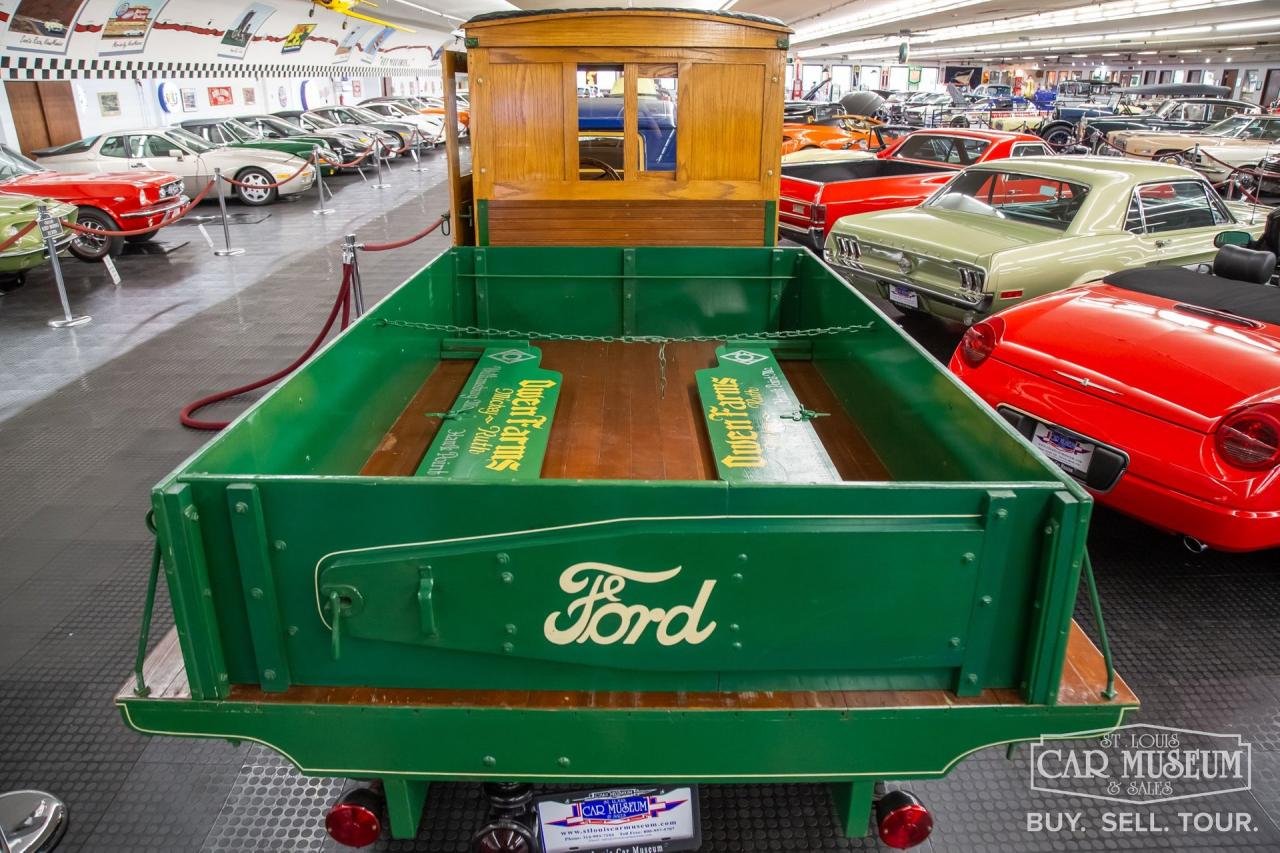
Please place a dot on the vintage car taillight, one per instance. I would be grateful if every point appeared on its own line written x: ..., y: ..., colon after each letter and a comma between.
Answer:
x: 902, y: 820
x: 843, y: 250
x: 979, y: 341
x: 1250, y: 438
x: 972, y: 280
x: 818, y: 214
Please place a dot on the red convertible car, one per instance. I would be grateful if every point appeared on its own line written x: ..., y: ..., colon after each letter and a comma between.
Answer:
x: 815, y: 194
x: 1158, y: 388
x: 119, y: 201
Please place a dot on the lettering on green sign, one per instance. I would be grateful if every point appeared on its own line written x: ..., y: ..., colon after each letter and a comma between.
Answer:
x: 758, y: 428
x: 499, y: 426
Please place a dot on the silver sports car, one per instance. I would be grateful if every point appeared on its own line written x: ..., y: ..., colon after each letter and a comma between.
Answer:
x: 188, y: 156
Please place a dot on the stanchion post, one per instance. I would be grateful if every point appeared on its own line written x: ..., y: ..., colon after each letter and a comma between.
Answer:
x: 349, y: 247
x: 379, y: 150
x: 226, y: 227
x: 315, y: 158
x: 417, y: 161
x: 51, y: 230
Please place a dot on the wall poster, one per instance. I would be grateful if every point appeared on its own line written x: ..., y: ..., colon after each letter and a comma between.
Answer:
x: 43, y: 26
x: 297, y: 38
x: 243, y: 27
x: 220, y: 96
x: 109, y: 104
x: 352, y: 40
x: 127, y: 29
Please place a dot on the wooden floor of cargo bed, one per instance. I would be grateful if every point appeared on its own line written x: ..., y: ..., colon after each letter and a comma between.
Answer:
x: 612, y: 421
x: 1084, y: 676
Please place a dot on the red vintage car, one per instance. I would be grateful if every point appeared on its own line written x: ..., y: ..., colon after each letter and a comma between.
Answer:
x: 1158, y: 388
x: 117, y: 201
x: 815, y: 194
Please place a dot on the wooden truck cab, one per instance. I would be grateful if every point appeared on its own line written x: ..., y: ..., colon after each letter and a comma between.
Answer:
x: 715, y: 80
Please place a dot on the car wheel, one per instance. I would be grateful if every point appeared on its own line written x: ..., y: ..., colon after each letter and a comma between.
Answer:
x: 258, y: 190
x: 11, y: 281
x: 95, y: 247
x: 959, y: 121
x: 1169, y: 157
x: 142, y: 238
x: 1059, y: 137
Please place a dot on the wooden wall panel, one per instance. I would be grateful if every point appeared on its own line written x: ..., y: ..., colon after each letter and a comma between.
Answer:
x: 59, y: 112
x: 44, y: 114
x: 608, y: 28
x: 528, y: 118
x: 626, y: 223
x: 724, y: 103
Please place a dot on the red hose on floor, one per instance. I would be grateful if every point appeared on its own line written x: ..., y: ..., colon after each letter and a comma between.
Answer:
x: 343, y: 303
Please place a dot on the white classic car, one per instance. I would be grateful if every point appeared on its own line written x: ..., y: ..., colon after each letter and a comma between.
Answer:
x: 191, y: 158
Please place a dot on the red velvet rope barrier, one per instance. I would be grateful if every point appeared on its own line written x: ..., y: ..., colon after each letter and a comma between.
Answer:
x: 403, y: 148
x: 22, y: 232
x: 399, y: 244
x: 355, y: 162
x: 276, y: 185
x: 102, y: 232
x: 342, y: 303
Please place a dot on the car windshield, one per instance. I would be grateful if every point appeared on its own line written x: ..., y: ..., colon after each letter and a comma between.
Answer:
x: 999, y: 90
x: 1167, y: 107
x: 321, y: 121
x: 281, y: 125
x: 955, y: 150
x: 241, y: 130
x: 1048, y: 202
x: 189, y: 139
x: 13, y: 164
x: 366, y: 115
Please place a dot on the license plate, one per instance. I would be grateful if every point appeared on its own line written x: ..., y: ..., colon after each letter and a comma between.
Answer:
x: 904, y: 296
x: 661, y: 819
x: 1069, y: 453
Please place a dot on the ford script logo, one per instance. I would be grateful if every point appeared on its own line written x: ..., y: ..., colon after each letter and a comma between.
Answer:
x: 601, y: 615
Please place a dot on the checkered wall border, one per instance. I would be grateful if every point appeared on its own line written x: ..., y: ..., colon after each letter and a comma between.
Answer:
x: 61, y: 68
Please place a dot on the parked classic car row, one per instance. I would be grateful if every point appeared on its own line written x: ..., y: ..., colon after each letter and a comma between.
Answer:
x: 1112, y: 315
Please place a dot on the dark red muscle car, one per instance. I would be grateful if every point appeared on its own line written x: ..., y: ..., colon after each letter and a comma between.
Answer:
x: 118, y: 201
x: 1157, y: 388
x: 816, y: 193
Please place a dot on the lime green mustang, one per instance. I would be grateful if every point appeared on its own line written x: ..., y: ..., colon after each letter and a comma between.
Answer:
x: 28, y: 250
x: 1005, y: 231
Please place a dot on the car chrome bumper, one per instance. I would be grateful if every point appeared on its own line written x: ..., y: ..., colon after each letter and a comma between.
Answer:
x: 811, y: 237
x: 165, y: 209
x: 62, y: 243
x: 978, y: 303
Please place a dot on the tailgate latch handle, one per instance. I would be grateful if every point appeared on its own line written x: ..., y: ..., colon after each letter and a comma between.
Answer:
x: 426, y: 603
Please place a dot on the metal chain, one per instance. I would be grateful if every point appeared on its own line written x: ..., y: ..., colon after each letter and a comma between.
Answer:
x: 787, y: 334
x: 660, y: 340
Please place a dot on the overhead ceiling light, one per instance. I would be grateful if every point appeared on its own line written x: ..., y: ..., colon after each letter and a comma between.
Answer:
x: 1108, y: 54
x: 1185, y: 31
x: 1147, y: 52
x: 1250, y: 47
x: 1134, y: 35
x: 1248, y: 25
x: 429, y: 11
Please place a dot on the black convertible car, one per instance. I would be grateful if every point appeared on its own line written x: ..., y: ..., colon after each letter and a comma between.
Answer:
x: 1185, y: 107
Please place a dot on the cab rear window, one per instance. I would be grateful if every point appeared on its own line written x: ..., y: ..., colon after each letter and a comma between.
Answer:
x: 953, y: 150
x: 1049, y: 202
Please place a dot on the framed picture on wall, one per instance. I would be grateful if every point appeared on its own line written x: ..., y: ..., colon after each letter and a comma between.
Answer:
x: 109, y: 104
x: 220, y: 96
x: 188, y: 100
x: 1252, y: 82
x: 250, y: 96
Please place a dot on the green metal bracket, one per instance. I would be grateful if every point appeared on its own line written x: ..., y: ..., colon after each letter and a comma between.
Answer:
x: 770, y: 223
x: 471, y: 41
x: 782, y: 267
x: 405, y: 800
x: 1064, y: 536
x: 248, y: 529
x: 482, y: 288
x: 335, y: 623
x: 783, y: 42
x: 482, y: 222
x: 1110, y: 691
x: 140, y: 687
x: 426, y: 603
x: 985, y: 606
x: 628, y: 291
x: 853, y: 805
x: 187, y: 576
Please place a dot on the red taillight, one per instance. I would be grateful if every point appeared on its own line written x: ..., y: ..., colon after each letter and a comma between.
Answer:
x: 980, y: 340
x: 355, y: 820
x: 818, y: 215
x: 1250, y: 438
x: 902, y: 820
